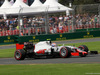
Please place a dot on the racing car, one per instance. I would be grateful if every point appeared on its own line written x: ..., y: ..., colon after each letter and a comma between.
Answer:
x: 47, y: 48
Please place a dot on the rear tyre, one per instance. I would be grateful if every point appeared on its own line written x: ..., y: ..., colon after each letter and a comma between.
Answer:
x: 19, y: 55
x: 84, y: 48
x: 65, y: 52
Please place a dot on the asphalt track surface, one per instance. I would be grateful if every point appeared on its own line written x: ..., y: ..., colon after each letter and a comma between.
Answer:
x: 88, y: 59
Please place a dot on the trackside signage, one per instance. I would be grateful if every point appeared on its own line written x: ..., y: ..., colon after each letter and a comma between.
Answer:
x: 34, y: 39
x: 61, y: 37
x: 58, y: 37
x: 7, y: 40
x: 52, y: 37
x: 88, y: 35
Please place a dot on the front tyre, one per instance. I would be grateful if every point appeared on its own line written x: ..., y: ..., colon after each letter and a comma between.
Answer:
x: 65, y: 52
x: 84, y: 48
x: 19, y: 55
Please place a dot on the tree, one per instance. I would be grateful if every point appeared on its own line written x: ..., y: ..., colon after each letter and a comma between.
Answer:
x: 77, y: 2
x: 64, y: 2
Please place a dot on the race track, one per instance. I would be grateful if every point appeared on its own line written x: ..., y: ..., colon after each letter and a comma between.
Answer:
x: 88, y: 59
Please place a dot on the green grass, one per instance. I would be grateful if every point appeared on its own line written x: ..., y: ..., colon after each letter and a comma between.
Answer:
x: 50, y: 69
x: 7, y: 53
x: 91, y: 45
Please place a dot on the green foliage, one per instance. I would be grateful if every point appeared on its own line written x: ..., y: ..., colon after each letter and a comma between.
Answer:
x: 64, y: 2
x: 49, y: 69
x: 76, y: 2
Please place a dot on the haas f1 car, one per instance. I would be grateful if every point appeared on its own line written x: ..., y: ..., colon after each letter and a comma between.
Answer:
x: 46, y: 48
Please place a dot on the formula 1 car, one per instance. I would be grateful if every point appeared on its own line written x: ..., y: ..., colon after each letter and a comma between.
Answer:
x: 46, y: 48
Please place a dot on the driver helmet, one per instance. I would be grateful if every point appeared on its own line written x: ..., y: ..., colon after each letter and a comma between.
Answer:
x: 53, y: 44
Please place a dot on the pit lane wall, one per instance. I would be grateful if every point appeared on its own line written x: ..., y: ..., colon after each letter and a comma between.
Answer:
x: 52, y: 37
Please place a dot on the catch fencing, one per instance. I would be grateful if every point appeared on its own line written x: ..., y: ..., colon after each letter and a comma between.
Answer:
x: 83, y: 17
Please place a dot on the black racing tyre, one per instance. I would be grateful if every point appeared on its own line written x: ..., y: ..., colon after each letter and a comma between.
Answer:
x: 69, y: 51
x: 84, y: 48
x: 65, y: 52
x: 19, y: 54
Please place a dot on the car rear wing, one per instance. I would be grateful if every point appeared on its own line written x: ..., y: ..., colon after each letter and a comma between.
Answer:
x: 19, y: 46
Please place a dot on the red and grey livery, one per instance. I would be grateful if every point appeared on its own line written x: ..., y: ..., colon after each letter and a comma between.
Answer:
x: 48, y: 49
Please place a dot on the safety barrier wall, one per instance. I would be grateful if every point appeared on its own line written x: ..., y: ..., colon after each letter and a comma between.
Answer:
x: 53, y: 37
x: 7, y: 40
x: 58, y: 37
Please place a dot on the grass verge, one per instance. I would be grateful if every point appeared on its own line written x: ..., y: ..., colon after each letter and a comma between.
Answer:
x: 6, y: 53
x: 91, y: 45
x: 50, y: 69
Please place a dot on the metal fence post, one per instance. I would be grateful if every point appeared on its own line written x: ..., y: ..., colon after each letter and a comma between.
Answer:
x: 19, y: 17
x: 46, y: 20
x: 68, y: 26
x: 36, y: 31
x: 73, y: 18
x: 99, y: 15
x: 29, y: 31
